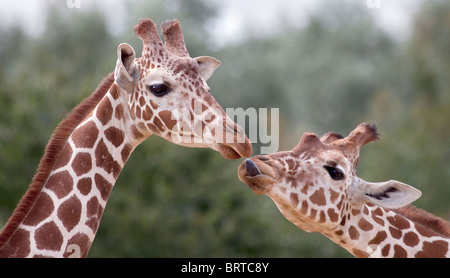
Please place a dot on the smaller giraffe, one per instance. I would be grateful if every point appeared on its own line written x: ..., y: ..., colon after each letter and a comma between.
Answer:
x: 315, y: 187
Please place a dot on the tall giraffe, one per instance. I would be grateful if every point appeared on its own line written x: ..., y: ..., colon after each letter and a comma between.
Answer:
x: 164, y: 93
x: 315, y: 187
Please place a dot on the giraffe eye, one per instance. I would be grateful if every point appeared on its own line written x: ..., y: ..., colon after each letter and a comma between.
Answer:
x: 159, y: 90
x: 335, y: 173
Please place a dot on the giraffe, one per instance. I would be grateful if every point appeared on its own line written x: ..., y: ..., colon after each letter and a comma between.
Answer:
x: 159, y: 93
x: 316, y: 188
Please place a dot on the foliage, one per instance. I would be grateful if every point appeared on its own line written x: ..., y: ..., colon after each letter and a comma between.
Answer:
x: 170, y: 201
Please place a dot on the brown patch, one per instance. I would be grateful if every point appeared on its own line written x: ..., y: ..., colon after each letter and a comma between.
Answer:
x: 157, y: 122
x: 366, y: 210
x: 93, y: 208
x: 86, y: 135
x: 424, y: 231
x: 126, y: 151
x: 103, y: 186
x: 105, y: 111
x: 313, y: 213
x: 376, y: 216
x: 304, y: 207
x: 166, y: 117
x: 115, y: 91
x: 339, y: 233
x: 340, y: 204
x: 318, y: 197
x: 141, y: 101
x: 105, y: 160
x: 411, y: 239
x: 82, y: 163
x: 353, y: 233
x: 333, y: 215
x: 395, y: 233
x: 364, y: 225
x: 136, y: 133
x: 147, y: 114
x: 18, y: 246
x: 333, y: 195
x: 138, y: 112
x: 70, y: 212
x: 94, y: 213
x: 399, y: 252
x: 80, y: 240
x: 322, y: 217
x: 46, y: 207
x: 398, y: 222
x: 291, y: 164
x: 115, y: 136
x: 343, y: 220
x: 379, y: 238
x: 60, y: 183
x: 64, y: 157
x: 48, y: 237
x: 385, y: 250
x: 119, y: 112
x: 154, y: 105
x: 84, y: 186
x: 294, y: 199
x: 435, y: 249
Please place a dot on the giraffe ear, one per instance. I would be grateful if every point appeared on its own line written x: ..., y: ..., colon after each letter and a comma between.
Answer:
x: 125, y: 70
x: 389, y: 194
x: 207, y: 65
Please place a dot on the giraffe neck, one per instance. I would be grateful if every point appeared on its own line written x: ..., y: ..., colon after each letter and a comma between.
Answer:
x: 373, y: 231
x: 60, y: 216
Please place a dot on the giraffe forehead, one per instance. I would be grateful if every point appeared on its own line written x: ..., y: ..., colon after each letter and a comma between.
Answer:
x: 163, y: 59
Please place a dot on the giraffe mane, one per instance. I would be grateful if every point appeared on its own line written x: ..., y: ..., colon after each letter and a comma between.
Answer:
x: 51, y: 154
x: 425, y: 219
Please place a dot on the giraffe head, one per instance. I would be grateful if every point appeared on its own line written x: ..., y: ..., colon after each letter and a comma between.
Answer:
x: 167, y: 94
x: 314, y: 185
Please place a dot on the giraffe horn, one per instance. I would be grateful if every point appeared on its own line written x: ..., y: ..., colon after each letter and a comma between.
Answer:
x: 309, y: 142
x: 173, y: 37
x: 146, y: 30
x: 363, y: 134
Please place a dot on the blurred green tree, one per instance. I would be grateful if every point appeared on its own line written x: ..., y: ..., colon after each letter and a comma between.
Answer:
x: 172, y: 201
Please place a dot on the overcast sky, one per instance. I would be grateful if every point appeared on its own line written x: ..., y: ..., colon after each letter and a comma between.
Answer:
x: 392, y: 15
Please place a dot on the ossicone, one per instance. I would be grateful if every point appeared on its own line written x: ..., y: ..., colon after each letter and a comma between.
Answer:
x: 363, y: 134
x: 173, y: 38
x: 146, y: 30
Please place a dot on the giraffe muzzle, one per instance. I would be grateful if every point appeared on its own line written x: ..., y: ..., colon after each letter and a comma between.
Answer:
x: 257, y: 175
x: 240, y: 145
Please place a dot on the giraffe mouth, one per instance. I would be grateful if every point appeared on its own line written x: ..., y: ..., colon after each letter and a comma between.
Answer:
x: 235, y: 151
x: 239, y: 147
x: 260, y: 178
